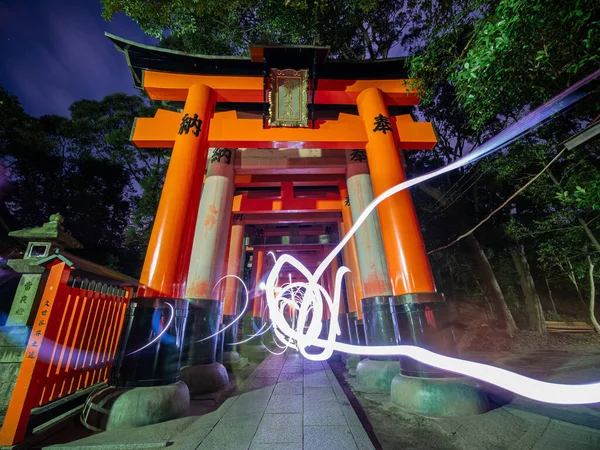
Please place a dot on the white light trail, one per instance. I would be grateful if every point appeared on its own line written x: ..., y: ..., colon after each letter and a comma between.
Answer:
x: 158, y: 336
x: 239, y: 316
x: 315, y: 296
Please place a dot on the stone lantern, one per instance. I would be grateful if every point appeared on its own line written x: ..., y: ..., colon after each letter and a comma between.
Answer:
x: 41, y: 242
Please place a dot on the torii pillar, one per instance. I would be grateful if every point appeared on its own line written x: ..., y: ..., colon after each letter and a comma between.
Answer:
x: 167, y: 256
x: 200, y: 371
x: 371, y: 257
x: 419, y: 312
x: 232, y: 285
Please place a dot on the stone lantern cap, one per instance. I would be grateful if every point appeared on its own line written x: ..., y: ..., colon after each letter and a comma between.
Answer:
x: 52, y: 231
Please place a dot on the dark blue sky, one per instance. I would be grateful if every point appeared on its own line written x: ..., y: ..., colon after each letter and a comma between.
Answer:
x: 54, y: 52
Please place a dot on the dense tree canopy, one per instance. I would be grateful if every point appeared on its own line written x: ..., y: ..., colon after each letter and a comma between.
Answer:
x: 480, y: 66
x: 85, y: 168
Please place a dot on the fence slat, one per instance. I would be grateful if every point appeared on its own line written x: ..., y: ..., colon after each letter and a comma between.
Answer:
x: 72, y: 345
x: 112, y: 318
x: 63, y: 374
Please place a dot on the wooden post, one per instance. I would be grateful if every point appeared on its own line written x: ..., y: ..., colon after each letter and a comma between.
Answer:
x: 402, y: 240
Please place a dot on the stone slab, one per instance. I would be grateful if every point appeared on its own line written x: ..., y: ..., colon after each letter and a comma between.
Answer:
x: 285, y: 403
x: 323, y: 414
x: 321, y: 437
x: 279, y: 428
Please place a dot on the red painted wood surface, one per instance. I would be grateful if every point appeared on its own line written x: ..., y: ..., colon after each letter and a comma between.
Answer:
x: 72, y: 345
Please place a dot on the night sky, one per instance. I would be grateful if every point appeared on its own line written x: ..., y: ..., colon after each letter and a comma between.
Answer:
x: 54, y: 52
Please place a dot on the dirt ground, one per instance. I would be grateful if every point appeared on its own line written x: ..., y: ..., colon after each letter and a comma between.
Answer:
x: 558, y: 357
x: 486, y: 338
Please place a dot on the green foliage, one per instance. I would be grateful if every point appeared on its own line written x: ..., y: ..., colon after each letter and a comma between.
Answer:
x: 83, y: 167
x: 353, y: 29
x: 553, y: 316
x: 506, y: 54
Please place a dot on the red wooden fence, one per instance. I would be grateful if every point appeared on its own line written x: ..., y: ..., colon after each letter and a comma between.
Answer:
x: 71, y: 346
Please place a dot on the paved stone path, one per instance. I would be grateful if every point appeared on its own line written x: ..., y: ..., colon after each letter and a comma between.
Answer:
x: 289, y: 404
x: 296, y: 404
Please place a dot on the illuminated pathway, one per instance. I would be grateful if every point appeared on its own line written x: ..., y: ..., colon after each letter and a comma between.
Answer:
x: 296, y: 404
x: 291, y: 404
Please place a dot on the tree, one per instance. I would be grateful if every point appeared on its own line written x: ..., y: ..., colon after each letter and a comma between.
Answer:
x: 354, y: 29
x: 505, y: 54
x: 84, y: 167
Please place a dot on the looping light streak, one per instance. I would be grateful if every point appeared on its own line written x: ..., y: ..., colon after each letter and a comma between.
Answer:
x: 159, y: 335
x: 239, y: 316
x: 307, y: 329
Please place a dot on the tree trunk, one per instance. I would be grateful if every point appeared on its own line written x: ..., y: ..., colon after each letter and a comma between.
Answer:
x: 535, y: 314
x: 550, y: 295
x: 573, y: 277
x: 486, y: 272
x: 593, y: 298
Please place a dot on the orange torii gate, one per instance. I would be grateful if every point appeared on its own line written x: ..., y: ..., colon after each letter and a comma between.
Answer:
x: 285, y: 98
x: 199, y: 126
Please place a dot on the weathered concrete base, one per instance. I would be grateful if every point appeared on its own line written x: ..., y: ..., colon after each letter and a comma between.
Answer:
x: 114, y: 408
x: 232, y: 361
x: 377, y: 374
x: 231, y: 357
x: 351, y: 364
x: 438, y: 396
x: 255, y: 352
x: 204, y: 378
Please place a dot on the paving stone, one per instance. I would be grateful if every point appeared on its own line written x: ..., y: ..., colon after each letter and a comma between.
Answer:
x: 323, y: 414
x: 328, y: 438
x: 361, y: 438
x: 318, y: 379
x: 292, y: 369
x: 286, y: 446
x: 268, y: 373
x: 291, y: 376
x: 228, y: 438
x: 277, y: 428
x: 319, y: 395
x: 285, y: 404
x: 289, y: 387
x: 350, y: 415
x: 313, y: 369
x: 258, y: 383
x: 248, y: 418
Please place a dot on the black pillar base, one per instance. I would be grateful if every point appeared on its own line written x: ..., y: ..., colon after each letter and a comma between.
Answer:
x: 230, y: 334
x: 423, y: 319
x: 204, y: 318
x: 140, y: 362
x: 379, y: 323
x: 352, y: 336
x: 360, y: 332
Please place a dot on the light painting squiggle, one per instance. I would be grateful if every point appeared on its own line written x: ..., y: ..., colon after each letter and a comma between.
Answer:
x: 306, y: 300
x: 306, y: 333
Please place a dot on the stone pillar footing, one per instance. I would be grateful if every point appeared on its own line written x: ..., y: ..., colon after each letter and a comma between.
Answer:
x: 439, y: 396
x: 205, y: 378
x: 115, y: 408
x: 230, y: 357
x: 232, y: 361
x: 351, y: 364
x: 377, y: 374
x: 254, y: 352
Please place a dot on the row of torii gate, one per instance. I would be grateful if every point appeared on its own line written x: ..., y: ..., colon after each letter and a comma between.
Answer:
x: 286, y: 119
